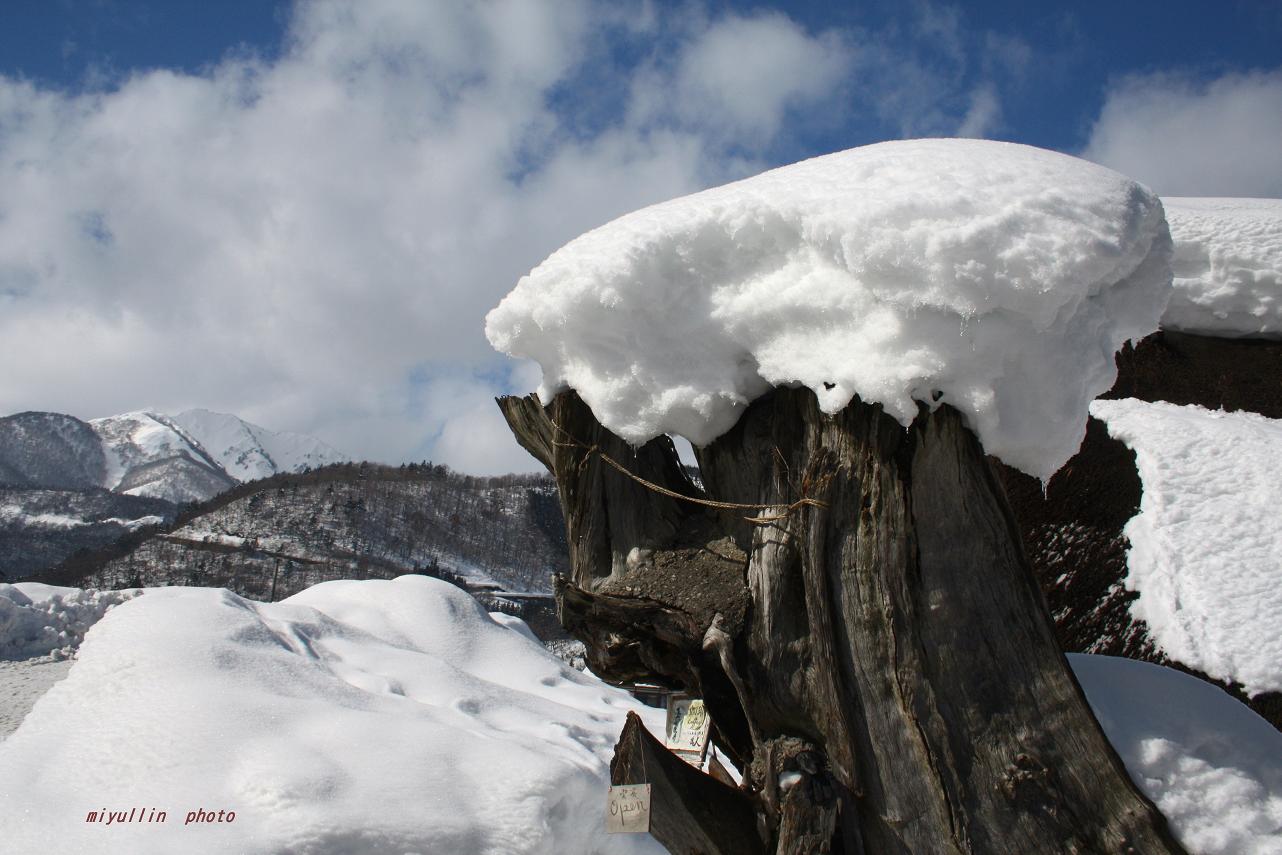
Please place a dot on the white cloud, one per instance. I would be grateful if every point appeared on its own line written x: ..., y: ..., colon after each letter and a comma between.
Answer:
x: 302, y: 240
x: 741, y: 75
x: 1185, y: 137
x: 294, y: 240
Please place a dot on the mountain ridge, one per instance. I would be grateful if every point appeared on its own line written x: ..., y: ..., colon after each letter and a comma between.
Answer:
x: 191, y: 456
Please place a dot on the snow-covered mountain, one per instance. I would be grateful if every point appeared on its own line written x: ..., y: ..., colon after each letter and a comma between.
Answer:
x: 192, y: 456
x: 248, y: 452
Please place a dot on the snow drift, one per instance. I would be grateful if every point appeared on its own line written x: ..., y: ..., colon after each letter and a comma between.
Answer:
x: 994, y: 277
x: 1228, y: 267
x: 48, y: 620
x: 1205, y: 546
x: 374, y: 717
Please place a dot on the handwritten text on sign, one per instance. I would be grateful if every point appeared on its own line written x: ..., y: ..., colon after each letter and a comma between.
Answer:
x: 628, y: 808
x: 688, y: 724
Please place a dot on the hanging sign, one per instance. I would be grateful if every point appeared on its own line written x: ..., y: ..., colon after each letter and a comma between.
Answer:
x: 688, y: 725
x: 628, y: 809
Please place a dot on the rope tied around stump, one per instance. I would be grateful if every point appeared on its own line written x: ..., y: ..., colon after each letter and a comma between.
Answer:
x: 805, y: 501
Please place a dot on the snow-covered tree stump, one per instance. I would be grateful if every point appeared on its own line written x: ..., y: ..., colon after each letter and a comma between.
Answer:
x: 838, y: 338
x: 882, y: 663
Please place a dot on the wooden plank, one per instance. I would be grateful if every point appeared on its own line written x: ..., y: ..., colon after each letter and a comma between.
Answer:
x: 690, y: 812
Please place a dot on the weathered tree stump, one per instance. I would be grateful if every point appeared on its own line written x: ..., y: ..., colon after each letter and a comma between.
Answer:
x: 882, y: 666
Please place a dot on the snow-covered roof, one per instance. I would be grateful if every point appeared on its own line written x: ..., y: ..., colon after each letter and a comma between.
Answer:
x: 1228, y: 267
x: 1206, y: 545
x: 994, y: 277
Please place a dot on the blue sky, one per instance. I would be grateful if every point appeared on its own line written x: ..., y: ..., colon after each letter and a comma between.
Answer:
x: 1077, y: 49
x: 301, y: 212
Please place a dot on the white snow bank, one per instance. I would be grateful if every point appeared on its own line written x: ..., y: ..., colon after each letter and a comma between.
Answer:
x: 1213, y: 767
x: 1206, y: 546
x: 1001, y: 276
x: 1228, y: 267
x: 372, y: 717
x: 46, y: 620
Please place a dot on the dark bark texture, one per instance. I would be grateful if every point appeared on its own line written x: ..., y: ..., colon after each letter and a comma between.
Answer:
x: 882, y: 665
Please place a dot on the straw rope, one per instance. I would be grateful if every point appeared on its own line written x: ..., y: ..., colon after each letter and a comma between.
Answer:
x: 805, y: 501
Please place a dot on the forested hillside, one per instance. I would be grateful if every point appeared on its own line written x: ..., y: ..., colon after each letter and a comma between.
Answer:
x: 274, y: 537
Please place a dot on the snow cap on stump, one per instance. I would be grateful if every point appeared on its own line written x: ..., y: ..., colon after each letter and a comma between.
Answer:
x: 997, y: 278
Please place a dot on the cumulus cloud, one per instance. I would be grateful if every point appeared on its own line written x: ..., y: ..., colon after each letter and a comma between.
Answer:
x: 740, y: 76
x: 1188, y: 137
x: 312, y: 240
x: 299, y: 240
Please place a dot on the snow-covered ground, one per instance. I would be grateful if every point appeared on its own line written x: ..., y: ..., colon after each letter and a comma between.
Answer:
x: 1228, y: 267
x: 24, y: 682
x: 375, y: 716
x: 997, y: 278
x: 1206, y: 546
x: 397, y: 716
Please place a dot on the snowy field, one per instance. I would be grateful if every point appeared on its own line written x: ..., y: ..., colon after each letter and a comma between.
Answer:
x: 397, y: 717
x: 1227, y: 265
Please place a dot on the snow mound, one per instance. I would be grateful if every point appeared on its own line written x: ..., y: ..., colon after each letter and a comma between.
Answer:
x: 1205, y: 546
x: 1228, y: 267
x: 46, y: 620
x: 1213, y: 767
x: 372, y: 716
x: 994, y: 277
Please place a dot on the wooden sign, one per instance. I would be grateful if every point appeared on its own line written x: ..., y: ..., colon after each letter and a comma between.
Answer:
x: 628, y: 809
x: 688, y: 725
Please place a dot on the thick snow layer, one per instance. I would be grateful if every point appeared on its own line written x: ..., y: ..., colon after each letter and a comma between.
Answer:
x: 1228, y: 267
x: 1206, y: 546
x: 994, y: 277
x: 1212, y: 766
x: 371, y: 717
x: 45, y: 620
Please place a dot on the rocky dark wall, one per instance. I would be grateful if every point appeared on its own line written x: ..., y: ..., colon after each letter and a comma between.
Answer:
x: 1073, y: 532
x: 1217, y: 373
